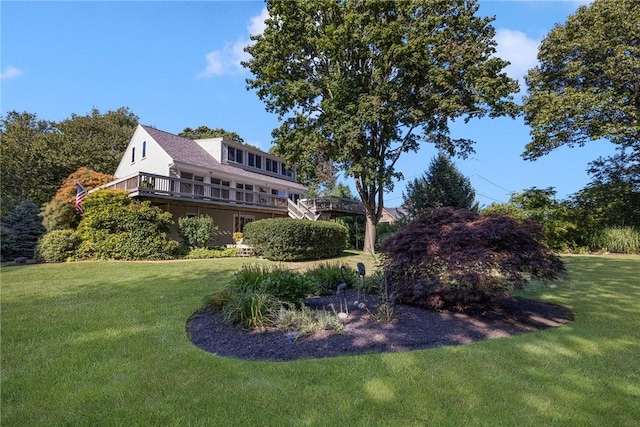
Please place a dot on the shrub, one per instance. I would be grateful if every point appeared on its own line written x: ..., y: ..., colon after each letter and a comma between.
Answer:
x: 202, y: 253
x: 116, y: 227
x: 58, y: 246
x: 198, y: 231
x: 286, y: 239
x: 285, y: 285
x: 327, y: 276
x: 449, y: 257
x: 60, y: 212
x: 625, y: 240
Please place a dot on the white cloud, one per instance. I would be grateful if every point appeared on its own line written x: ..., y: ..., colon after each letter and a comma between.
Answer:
x: 11, y: 73
x: 520, y: 50
x: 257, y: 22
x: 227, y: 60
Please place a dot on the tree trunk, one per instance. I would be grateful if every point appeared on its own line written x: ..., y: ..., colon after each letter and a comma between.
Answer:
x: 370, y: 236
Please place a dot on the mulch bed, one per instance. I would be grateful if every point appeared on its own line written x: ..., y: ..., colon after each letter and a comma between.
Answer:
x: 413, y: 328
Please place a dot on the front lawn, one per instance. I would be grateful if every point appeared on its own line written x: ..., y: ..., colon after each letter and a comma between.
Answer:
x: 104, y: 343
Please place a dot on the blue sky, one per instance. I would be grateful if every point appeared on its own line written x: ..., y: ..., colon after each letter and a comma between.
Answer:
x: 176, y: 65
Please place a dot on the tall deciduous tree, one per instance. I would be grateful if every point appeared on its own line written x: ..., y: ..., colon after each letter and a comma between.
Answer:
x: 364, y: 82
x: 28, y: 164
x: 37, y: 155
x: 96, y: 141
x: 440, y: 186
x: 612, y: 198
x: 586, y: 86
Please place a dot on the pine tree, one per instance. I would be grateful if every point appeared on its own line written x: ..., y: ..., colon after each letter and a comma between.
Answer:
x: 441, y: 185
x: 25, y: 228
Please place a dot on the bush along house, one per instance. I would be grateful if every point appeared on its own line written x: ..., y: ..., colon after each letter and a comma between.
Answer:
x: 231, y: 182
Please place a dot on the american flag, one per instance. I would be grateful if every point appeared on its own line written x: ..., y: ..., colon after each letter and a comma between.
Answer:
x: 80, y: 195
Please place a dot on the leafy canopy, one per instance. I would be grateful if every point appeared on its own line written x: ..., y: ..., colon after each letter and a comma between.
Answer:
x: 203, y: 132
x: 360, y: 83
x: 586, y: 86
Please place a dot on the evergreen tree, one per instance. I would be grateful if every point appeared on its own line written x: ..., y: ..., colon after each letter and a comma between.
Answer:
x: 24, y: 227
x: 441, y: 185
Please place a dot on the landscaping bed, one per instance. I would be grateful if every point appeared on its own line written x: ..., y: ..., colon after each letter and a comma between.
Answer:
x: 412, y: 328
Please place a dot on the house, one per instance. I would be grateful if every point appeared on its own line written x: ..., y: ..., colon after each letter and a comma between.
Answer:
x: 392, y: 215
x: 232, y: 182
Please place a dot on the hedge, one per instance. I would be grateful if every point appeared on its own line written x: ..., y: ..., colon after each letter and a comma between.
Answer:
x: 288, y: 239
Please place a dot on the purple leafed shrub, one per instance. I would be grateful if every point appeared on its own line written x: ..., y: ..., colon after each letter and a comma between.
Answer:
x: 448, y: 257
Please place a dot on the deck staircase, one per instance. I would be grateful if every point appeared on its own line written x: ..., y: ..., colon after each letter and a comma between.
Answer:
x: 324, y: 208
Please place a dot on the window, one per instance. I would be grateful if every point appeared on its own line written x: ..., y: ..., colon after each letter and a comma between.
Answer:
x: 239, y: 221
x: 284, y: 171
x: 235, y: 154
x: 254, y: 160
x: 133, y: 155
x: 270, y: 166
x: 246, y: 195
x: 144, y: 149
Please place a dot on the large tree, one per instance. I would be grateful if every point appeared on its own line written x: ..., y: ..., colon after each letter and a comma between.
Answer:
x: 440, y: 186
x: 96, y: 140
x: 203, y: 132
x: 37, y: 155
x: 28, y: 163
x: 587, y: 86
x: 360, y: 83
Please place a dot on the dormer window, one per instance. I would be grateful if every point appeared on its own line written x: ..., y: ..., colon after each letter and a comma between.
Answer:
x: 235, y: 155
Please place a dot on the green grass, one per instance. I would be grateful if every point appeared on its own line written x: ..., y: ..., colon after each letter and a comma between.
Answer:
x: 104, y: 343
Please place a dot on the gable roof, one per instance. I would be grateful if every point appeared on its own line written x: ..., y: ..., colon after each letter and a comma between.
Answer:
x: 183, y: 150
x: 187, y: 151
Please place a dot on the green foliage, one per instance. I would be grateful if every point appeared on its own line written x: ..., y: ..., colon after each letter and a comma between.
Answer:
x: 441, y: 185
x: 207, y: 253
x: 7, y: 240
x: 286, y: 239
x: 58, y: 246
x: 60, y: 212
x: 362, y: 83
x: 557, y: 218
x: 22, y: 228
x: 96, y: 140
x: 612, y: 198
x: 203, y: 132
x: 623, y: 240
x: 116, y: 227
x: 385, y: 230
x: 450, y: 257
x: 198, y: 231
x: 581, y: 90
x: 327, y: 276
x: 251, y: 309
x: 37, y: 155
x: 283, y: 284
x: 30, y: 167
